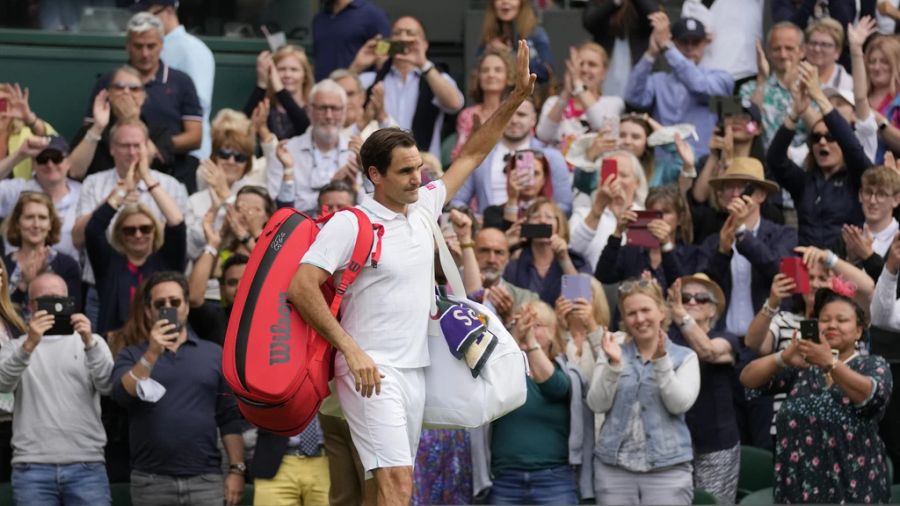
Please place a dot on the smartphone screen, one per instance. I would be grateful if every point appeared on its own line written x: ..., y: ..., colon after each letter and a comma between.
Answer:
x: 576, y: 286
x: 609, y: 168
x: 749, y: 189
x: 524, y: 167
x: 794, y: 268
x: 809, y: 330
x: 536, y: 231
x: 169, y: 314
x: 62, y: 308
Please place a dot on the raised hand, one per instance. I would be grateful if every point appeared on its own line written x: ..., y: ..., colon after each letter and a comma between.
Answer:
x: 212, y: 236
x: 462, y: 225
x: 101, y: 109
x: 859, y: 32
x: 762, y: 63
x: 782, y: 288
x: 611, y: 348
x: 686, y: 152
x: 263, y: 62
x: 260, y: 119
x: 214, y: 177
x: 524, y: 78
x: 859, y: 242
x: 674, y: 299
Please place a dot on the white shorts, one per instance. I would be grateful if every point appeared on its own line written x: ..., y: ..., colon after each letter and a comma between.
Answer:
x: 385, y: 428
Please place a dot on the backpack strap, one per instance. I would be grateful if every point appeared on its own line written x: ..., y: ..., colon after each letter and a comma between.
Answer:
x: 369, y: 235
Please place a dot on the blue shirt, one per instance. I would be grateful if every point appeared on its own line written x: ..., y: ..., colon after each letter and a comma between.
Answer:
x: 176, y: 436
x: 337, y: 37
x: 679, y: 96
x: 171, y: 99
x: 187, y: 53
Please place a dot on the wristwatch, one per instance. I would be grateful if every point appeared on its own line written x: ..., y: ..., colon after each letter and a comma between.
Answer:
x: 238, y: 468
x: 578, y: 90
x: 427, y: 67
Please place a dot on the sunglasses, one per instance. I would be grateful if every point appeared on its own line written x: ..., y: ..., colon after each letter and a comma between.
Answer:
x: 630, y: 286
x: 816, y: 137
x: 49, y: 156
x: 225, y: 154
x: 132, y: 230
x: 120, y: 86
x: 700, y: 298
x: 173, y: 302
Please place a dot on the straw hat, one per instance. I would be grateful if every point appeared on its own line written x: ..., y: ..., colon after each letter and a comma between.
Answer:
x: 746, y: 169
x: 710, y: 285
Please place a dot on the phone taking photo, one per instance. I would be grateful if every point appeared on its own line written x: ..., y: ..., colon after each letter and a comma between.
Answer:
x: 809, y: 330
x: 609, y: 168
x: 169, y: 314
x: 536, y: 231
x: 523, y: 165
x: 576, y: 286
x: 62, y: 309
x: 794, y: 268
x: 387, y: 47
x: 638, y: 234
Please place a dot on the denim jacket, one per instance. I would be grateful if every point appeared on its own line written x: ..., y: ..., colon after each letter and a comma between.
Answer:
x: 668, y: 438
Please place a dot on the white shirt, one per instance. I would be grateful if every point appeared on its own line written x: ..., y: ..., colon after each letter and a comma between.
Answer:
x: 498, y: 194
x: 736, y: 25
x: 97, y: 187
x: 313, y: 168
x: 401, y: 98
x: 881, y: 241
x: 590, y: 243
x: 185, y: 52
x: 564, y: 132
x: 386, y: 310
x: 10, y: 189
x: 885, y: 307
x: 740, y: 306
x: 886, y: 24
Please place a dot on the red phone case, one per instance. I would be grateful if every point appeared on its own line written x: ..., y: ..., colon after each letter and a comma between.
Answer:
x: 609, y: 168
x: 794, y: 268
x: 638, y: 235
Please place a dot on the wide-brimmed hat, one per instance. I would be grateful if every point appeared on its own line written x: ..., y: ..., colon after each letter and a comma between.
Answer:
x: 710, y: 285
x: 746, y: 169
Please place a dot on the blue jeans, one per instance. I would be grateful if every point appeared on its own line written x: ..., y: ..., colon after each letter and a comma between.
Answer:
x: 83, y: 483
x: 549, y: 486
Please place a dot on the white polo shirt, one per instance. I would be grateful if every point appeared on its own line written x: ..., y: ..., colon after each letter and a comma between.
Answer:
x: 386, y: 309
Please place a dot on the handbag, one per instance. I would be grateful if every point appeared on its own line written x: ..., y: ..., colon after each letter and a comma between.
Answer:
x: 454, y: 398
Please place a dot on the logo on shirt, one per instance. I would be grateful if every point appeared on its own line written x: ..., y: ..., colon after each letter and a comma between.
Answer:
x: 431, y: 186
x: 280, y: 345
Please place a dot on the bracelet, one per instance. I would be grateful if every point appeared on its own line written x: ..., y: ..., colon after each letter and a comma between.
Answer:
x: 768, y: 310
x: 91, y: 136
x: 146, y: 363
x: 464, y: 245
x: 426, y: 68
x: 779, y: 360
x: 533, y: 348
x: 512, y: 210
x: 212, y: 251
x: 667, y: 247
x: 135, y: 377
x: 687, y: 321
x: 831, y: 259
x: 153, y: 186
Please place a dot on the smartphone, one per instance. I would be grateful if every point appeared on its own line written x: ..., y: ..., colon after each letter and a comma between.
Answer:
x: 386, y: 47
x: 749, y: 189
x: 62, y: 308
x: 809, y: 330
x: 794, y: 268
x: 169, y: 314
x: 536, y: 231
x: 609, y: 167
x: 4, y: 104
x: 611, y: 124
x: 576, y: 286
x: 638, y: 234
x: 723, y: 106
x: 524, y: 167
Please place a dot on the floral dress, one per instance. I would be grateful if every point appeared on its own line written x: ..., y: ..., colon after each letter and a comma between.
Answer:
x: 827, y: 449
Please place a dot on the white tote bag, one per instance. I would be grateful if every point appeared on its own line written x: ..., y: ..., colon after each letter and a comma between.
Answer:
x: 453, y: 398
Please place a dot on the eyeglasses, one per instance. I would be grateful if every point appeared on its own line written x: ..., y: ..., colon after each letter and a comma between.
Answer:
x: 820, y: 45
x: 49, y: 156
x: 816, y: 137
x: 132, y: 230
x: 630, y: 286
x: 225, y: 154
x: 871, y: 194
x: 173, y: 302
x: 700, y: 298
x: 121, y: 86
x: 328, y: 108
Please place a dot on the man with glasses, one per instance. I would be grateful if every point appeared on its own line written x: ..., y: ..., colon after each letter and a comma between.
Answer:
x: 187, y: 53
x: 320, y: 155
x: 57, y: 370
x: 362, y: 118
x: 50, y: 168
x: 171, y: 96
x: 417, y: 93
x: 172, y: 387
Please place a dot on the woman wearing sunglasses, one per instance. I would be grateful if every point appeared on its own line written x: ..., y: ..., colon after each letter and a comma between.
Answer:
x: 826, y: 193
x: 697, y: 302
x: 139, y: 246
x: 34, y: 227
x: 644, y: 386
x: 123, y: 99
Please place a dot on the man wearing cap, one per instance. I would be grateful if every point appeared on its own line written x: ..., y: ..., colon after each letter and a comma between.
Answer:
x: 187, y: 53
x: 171, y: 96
x: 746, y: 254
x: 50, y: 168
x: 681, y: 95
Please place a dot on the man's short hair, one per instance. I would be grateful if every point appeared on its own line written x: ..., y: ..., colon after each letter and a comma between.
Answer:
x: 337, y: 186
x: 784, y: 25
x: 338, y: 74
x: 144, y: 22
x: 328, y: 86
x: 378, y: 149
x: 830, y: 27
x: 164, y: 277
x: 233, y: 261
x: 49, y: 275
x: 882, y: 177
x: 134, y: 122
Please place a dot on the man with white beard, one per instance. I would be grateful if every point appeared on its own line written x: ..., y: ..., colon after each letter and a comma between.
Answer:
x: 321, y: 155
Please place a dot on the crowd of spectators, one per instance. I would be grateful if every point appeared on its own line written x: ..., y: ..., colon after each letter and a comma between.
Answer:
x: 678, y: 180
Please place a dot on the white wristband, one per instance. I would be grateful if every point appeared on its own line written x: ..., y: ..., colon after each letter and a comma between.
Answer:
x: 831, y: 259
x: 779, y: 359
x: 212, y: 251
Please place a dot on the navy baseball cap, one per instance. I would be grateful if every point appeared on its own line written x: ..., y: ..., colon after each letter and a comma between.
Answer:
x: 751, y: 109
x: 688, y: 29
x: 144, y: 5
x: 56, y: 143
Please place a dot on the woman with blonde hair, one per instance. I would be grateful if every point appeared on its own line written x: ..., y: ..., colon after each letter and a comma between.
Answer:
x: 34, y: 227
x: 283, y: 79
x: 644, y: 386
x: 505, y: 22
x: 11, y: 326
x: 492, y: 77
x: 139, y: 246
